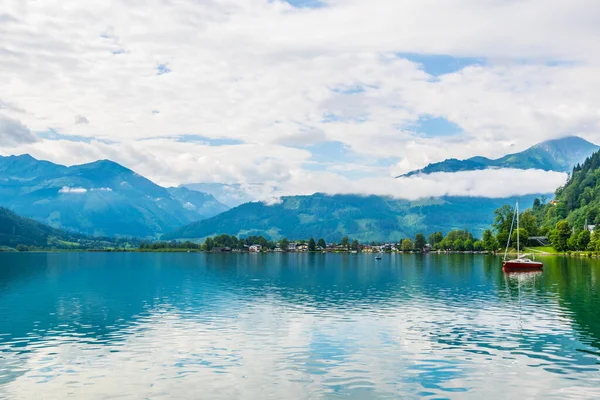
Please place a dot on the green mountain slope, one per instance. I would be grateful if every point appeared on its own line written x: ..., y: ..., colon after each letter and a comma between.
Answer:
x: 364, y: 218
x: 578, y: 200
x: 15, y: 230
x: 553, y: 155
x: 101, y: 198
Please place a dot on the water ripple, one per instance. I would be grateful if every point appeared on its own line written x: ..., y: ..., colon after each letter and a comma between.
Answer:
x: 302, y: 327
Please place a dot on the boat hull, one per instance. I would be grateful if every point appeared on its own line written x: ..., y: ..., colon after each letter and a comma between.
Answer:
x: 516, y: 265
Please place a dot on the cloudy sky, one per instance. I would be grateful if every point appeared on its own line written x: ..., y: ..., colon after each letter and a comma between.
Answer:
x: 303, y: 95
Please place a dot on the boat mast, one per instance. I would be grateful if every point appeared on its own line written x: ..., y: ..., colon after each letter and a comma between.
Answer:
x: 518, y: 230
x: 512, y: 224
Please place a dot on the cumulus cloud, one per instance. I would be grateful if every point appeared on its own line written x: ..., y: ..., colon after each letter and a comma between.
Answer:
x: 80, y: 119
x: 278, y: 79
x: 495, y: 183
x: 76, y: 190
x: 13, y: 132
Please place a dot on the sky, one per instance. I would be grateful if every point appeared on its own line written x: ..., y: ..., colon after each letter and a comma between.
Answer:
x: 300, y: 96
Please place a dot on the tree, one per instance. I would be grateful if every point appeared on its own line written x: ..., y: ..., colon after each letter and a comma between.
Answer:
x: 435, y: 238
x: 312, y: 246
x: 21, y: 247
x: 468, y: 245
x: 420, y: 242
x: 407, y: 245
x: 345, y: 242
x: 321, y: 243
x: 284, y: 244
x: 478, y: 245
x: 503, y: 218
x: 583, y: 240
x: 560, y: 235
x: 528, y: 222
x: 521, y: 235
x: 489, y: 242
x: 572, y: 241
x: 503, y: 222
x: 209, y: 244
x: 458, y: 245
x: 355, y: 245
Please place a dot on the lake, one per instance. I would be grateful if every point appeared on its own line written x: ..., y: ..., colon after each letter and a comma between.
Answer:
x: 295, y: 326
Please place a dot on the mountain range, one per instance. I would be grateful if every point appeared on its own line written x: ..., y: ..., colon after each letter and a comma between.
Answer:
x: 101, y: 198
x: 104, y: 198
x: 552, y: 155
x: 365, y: 218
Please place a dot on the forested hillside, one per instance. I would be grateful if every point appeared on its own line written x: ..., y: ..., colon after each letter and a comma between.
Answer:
x: 570, y: 219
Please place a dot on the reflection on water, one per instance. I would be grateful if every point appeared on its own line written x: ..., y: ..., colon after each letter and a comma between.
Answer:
x: 295, y: 326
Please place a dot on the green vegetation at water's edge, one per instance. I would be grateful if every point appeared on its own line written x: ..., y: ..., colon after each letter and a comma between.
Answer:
x: 571, y: 221
x: 455, y: 240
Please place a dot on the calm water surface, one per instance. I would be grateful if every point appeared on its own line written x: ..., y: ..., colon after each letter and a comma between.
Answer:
x: 297, y: 326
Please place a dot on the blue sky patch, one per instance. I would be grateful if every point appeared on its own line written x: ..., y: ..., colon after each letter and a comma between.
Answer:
x: 329, y: 118
x: 352, y: 89
x: 330, y: 151
x: 208, y: 141
x: 306, y: 3
x: 436, y: 127
x: 162, y: 69
x: 436, y: 65
x: 53, y: 134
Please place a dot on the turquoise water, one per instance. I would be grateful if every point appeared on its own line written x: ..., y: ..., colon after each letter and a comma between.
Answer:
x: 295, y: 326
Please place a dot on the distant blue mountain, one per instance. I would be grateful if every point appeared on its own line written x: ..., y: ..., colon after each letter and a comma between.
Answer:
x: 552, y: 155
x: 101, y: 198
x: 365, y: 218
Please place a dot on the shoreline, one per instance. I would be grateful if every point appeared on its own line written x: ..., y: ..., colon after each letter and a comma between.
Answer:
x: 579, y: 254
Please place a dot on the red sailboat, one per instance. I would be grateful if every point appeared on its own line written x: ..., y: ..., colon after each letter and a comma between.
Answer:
x: 520, y: 263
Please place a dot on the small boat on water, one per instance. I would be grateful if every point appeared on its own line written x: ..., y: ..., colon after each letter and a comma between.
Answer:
x: 378, y: 258
x: 520, y: 263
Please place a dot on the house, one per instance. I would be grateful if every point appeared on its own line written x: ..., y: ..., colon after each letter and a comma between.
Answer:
x: 293, y: 246
x: 302, y: 247
x: 554, y: 202
x: 221, y: 249
x: 256, y: 248
x: 590, y: 228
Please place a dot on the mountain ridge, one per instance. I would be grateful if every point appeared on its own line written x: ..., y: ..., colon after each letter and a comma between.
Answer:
x: 101, y: 198
x: 365, y: 218
x: 551, y: 155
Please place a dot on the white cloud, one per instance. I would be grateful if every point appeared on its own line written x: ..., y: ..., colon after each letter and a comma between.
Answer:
x: 274, y: 77
x: 13, y: 132
x: 496, y: 183
x: 105, y: 189
x: 76, y: 190
x: 80, y: 119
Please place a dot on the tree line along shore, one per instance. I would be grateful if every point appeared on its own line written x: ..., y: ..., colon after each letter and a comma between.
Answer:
x: 563, y: 238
